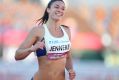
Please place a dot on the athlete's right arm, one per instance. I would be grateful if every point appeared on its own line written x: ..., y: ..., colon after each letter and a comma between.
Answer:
x: 26, y: 47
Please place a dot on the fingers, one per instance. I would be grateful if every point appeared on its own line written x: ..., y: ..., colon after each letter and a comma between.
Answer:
x: 72, y: 75
x: 40, y: 45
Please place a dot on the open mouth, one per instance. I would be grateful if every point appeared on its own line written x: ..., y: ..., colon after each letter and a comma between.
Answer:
x: 59, y: 14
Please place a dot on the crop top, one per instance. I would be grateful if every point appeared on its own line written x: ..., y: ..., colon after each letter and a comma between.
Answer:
x: 55, y: 47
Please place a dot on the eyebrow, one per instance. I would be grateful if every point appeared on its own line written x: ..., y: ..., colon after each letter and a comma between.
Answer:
x: 58, y: 5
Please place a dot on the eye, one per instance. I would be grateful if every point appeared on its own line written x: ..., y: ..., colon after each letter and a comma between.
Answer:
x: 56, y: 7
x: 63, y: 8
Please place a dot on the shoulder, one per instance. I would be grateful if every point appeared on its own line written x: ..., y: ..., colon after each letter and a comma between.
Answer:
x: 65, y: 26
x: 37, y: 30
x: 67, y: 29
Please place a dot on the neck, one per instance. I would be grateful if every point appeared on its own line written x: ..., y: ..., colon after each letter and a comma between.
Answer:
x: 53, y: 24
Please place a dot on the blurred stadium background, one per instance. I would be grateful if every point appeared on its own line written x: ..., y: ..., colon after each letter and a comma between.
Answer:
x: 95, y: 37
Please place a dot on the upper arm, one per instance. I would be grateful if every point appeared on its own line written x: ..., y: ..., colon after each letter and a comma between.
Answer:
x: 30, y: 39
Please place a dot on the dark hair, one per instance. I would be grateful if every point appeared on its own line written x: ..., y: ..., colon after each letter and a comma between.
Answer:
x: 45, y: 17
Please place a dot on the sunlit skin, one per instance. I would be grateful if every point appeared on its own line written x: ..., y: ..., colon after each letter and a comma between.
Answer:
x: 48, y: 69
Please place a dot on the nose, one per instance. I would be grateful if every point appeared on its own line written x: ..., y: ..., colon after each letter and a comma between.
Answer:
x: 60, y: 10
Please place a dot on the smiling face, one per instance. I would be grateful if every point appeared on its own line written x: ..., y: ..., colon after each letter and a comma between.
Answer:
x: 56, y: 10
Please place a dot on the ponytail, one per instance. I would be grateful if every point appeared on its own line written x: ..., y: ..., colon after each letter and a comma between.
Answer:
x: 44, y: 19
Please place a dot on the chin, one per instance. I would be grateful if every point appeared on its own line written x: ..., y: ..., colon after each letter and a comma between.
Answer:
x: 57, y: 19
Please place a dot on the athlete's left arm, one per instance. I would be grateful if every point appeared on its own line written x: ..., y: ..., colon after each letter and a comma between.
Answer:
x: 69, y: 64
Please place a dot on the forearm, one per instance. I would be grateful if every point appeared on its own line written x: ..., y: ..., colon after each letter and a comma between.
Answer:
x: 69, y: 67
x: 69, y: 64
x: 22, y: 53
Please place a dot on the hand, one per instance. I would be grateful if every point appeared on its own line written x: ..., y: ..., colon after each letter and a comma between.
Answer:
x: 72, y: 74
x: 37, y: 46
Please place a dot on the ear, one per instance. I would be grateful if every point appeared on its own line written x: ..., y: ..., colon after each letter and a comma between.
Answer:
x: 48, y: 10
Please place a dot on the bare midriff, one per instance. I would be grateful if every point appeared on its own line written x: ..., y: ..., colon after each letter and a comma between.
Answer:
x: 51, y: 69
